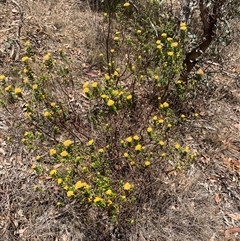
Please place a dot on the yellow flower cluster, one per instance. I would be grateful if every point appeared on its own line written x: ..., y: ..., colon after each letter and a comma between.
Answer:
x: 80, y: 185
x: 183, y: 26
x: 2, y: 77
x: 47, y: 56
x: 17, y: 91
x: 127, y: 186
x: 25, y: 59
x: 67, y: 143
x: 64, y: 154
x: 52, y: 152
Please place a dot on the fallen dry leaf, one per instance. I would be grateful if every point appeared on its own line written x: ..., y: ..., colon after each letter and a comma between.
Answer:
x: 231, y: 230
x: 217, y: 198
x: 234, y: 216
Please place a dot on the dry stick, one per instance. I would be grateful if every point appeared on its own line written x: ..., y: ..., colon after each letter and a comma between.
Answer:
x: 209, y: 21
x: 20, y: 24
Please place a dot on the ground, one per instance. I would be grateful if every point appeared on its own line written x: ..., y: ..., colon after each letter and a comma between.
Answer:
x: 201, y: 204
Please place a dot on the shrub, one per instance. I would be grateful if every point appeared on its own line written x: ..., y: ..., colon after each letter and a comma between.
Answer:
x: 107, y: 141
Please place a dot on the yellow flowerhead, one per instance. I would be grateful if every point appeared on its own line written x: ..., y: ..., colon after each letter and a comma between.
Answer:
x: 110, y: 103
x: 136, y: 137
x: 161, y: 143
x: 85, y: 85
x: 116, y: 38
x: 104, y: 96
x: 52, y: 152
x: 107, y: 77
x: 147, y: 163
x: 18, y: 91
x: 109, y: 202
x: 2, y: 77
x: 35, y: 86
x: 164, y: 35
x: 86, y: 90
x: 160, y: 121
x: 200, y: 72
x: 109, y: 192
x: 8, y: 88
x: 177, y: 146
x: 27, y: 43
x: 155, y: 118
x: 79, y: 185
x: 183, y: 26
x: 25, y: 59
x: 138, y: 147
x: 64, y: 153
x: 97, y: 199
x: 90, y: 142
x: 165, y: 105
x: 169, y: 39
x: 67, y: 143
x: 127, y: 4
x: 101, y: 150
x: 46, y: 114
x: 127, y: 186
x: 182, y: 116
x: 169, y: 125
x: 158, y: 42
x: 129, y: 139
x: 70, y: 193
x: 174, y: 45
x: 139, y: 31
x: 159, y: 46
x: 123, y: 198
x: 170, y: 53
x: 115, y: 73
x: 129, y: 97
x: 115, y: 92
x: 94, y: 84
x: 53, y: 104
x: 126, y: 155
x: 53, y: 172
x: 149, y: 129
x: 59, y: 181
x: 37, y: 158
x: 47, y: 57
x: 186, y: 149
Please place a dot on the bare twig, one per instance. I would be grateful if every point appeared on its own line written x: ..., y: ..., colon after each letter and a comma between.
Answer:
x: 15, y: 54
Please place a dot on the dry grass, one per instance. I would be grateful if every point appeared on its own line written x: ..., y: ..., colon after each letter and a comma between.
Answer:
x: 200, y: 204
